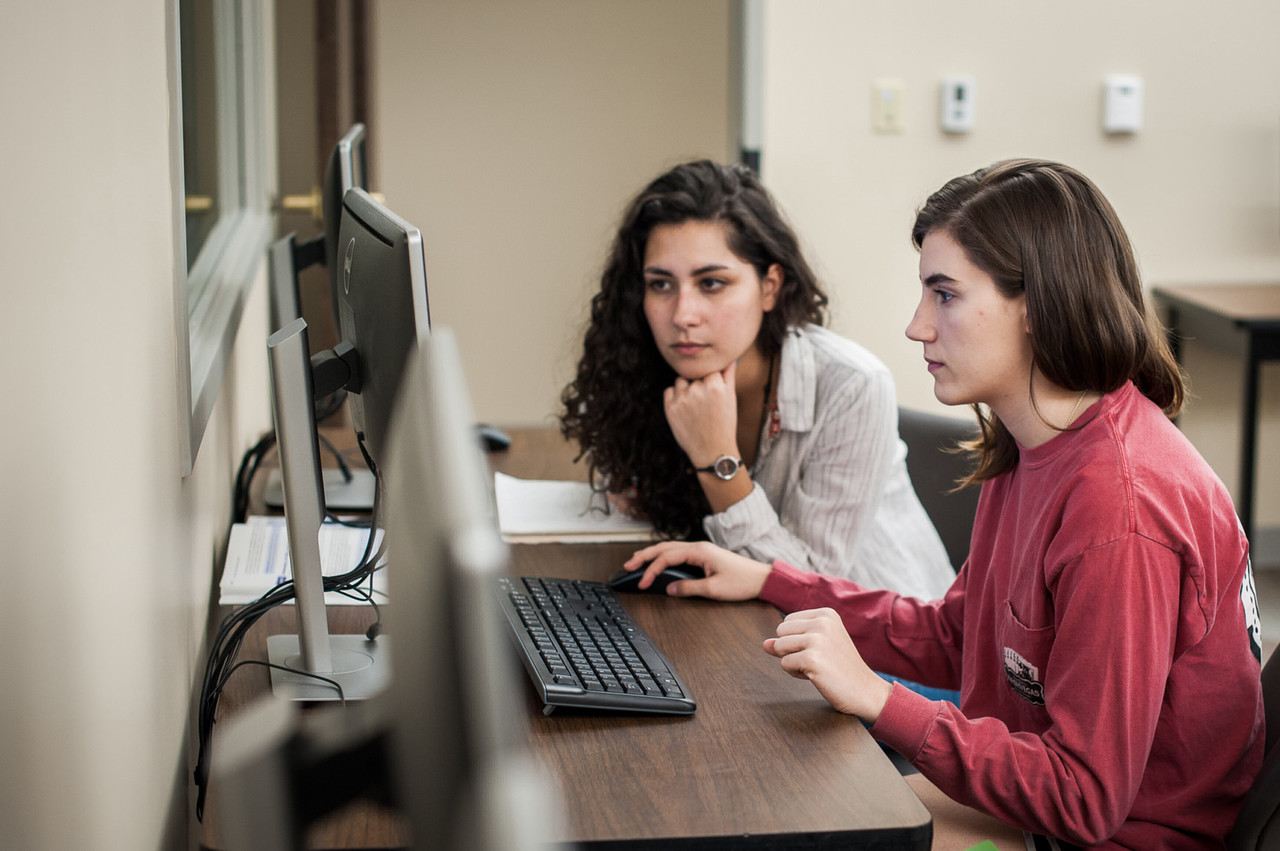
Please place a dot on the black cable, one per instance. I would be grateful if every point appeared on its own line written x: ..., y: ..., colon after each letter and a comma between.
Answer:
x: 353, y: 522
x: 342, y: 462
x: 252, y: 461
x: 342, y: 695
x: 233, y: 628
x: 249, y: 465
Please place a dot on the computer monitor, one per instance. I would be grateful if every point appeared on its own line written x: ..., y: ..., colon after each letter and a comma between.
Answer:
x: 382, y: 310
x: 458, y: 766
x: 382, y: 319
x: 347, y: 168
x: 442, y: 744
x: 346, y: 487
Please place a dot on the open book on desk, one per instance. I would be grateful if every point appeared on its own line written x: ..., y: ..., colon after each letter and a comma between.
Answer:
x: 535, y: 511
x: 258, y: 560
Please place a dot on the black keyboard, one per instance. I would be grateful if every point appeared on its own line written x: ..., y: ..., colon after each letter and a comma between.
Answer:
x: 582, y: 649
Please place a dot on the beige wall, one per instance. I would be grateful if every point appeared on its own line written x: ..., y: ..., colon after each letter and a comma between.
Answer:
x: 108, y: 554
x: 1198, y: 188
x: 512, y: 134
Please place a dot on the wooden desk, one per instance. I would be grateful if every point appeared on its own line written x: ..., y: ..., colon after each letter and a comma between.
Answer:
x: 764, y: 762
x: 1241, y: 320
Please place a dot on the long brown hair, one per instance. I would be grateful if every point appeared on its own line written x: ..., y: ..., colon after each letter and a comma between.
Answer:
x: 1043, y: 229
x: 613, y: 408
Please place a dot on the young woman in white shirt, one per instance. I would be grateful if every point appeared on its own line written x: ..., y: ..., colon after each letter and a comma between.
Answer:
x: 710, y: 400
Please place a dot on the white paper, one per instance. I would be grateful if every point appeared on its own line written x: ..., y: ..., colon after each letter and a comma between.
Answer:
x: 258, y: 560
x: 540, y: 510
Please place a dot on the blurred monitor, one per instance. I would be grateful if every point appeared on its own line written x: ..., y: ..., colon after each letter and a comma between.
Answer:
x: 454, y: 726
x: 444, y: 743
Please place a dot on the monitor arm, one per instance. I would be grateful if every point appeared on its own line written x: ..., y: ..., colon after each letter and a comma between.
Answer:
x: 335, y: 369
x: 309, y: 253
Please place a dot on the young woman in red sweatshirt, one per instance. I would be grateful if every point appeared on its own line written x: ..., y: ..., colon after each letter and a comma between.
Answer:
x: 1104, y: 632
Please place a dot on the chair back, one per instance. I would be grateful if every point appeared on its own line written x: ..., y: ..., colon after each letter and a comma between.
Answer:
x: 1257, y: 827
x: 934, y: 472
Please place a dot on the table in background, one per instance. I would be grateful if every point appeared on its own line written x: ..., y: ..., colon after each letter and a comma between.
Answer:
x: 764, y: 762
x: 1241, y: 320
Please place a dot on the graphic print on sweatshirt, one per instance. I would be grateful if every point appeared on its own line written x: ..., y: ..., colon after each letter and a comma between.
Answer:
x: 1023, y: 677
x: 1252, y: 618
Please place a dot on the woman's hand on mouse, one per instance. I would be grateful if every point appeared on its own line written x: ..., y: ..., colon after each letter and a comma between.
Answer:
x: 729, y: 576
x: 703, y: 415
x: 814, y: 645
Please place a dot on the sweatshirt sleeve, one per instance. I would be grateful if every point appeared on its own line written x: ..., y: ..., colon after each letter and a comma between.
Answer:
x: 894, y: 633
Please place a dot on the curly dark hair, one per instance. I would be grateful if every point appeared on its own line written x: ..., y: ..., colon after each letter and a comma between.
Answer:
x: 613, y: 408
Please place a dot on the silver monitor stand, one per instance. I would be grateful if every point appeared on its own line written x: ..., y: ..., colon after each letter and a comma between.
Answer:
x: 361, y: 665
x: 339, y: 494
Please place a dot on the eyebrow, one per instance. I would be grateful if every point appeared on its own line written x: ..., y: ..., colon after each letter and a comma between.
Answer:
x: 938, y: 278
x: 701, y: 270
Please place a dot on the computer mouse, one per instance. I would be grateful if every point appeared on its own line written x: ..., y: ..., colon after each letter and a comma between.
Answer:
x: 493, y: 439
x: 629, y: 580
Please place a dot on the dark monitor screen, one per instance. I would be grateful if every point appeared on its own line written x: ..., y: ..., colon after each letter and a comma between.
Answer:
x: 382, y: 308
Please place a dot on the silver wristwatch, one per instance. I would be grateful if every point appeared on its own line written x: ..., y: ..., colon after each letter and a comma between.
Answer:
x: 725, y: 467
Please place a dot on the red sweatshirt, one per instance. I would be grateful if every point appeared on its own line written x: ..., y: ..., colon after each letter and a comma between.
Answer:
x: 1104, y: 636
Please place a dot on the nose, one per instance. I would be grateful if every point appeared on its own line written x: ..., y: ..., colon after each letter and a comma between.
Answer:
x: 921, y: 328
x: 688, y: 312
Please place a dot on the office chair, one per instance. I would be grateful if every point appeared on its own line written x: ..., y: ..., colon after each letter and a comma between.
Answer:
x: 1257, y: 827
x: 934, y: 472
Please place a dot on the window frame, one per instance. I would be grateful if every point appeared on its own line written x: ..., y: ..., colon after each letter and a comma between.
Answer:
x: 209, y: 299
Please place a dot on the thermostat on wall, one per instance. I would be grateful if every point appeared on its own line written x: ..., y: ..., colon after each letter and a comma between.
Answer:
x: 958, y: 104
x: 1122, y: 104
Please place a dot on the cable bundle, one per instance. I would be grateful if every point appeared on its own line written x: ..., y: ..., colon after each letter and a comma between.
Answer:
x: 225, y: 648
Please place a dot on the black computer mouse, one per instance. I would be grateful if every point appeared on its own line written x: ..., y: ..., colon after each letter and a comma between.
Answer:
x: 629, y: 580
x: 493, y: 439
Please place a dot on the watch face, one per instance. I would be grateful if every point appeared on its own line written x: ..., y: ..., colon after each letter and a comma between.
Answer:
x: 726, y: 467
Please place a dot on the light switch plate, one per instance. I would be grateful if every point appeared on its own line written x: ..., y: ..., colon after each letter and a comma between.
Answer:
x: 887, y: 106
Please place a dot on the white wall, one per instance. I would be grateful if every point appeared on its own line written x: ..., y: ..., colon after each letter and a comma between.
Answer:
x: 1198, y: 188
x: 108, y: 554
